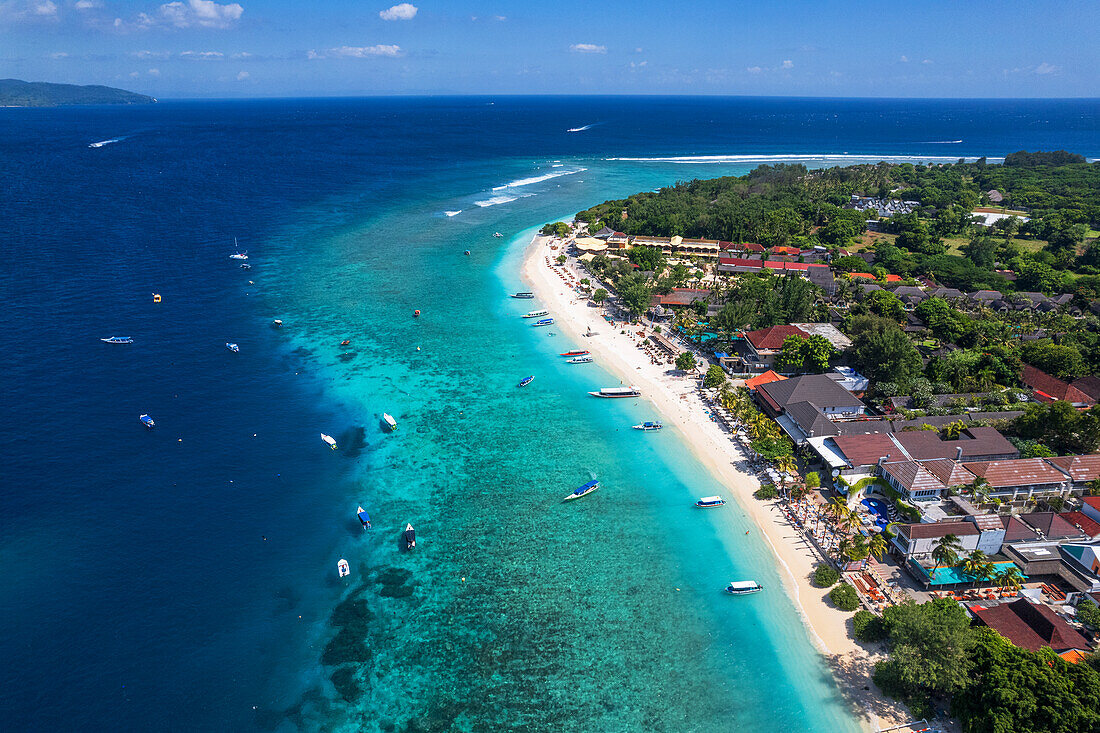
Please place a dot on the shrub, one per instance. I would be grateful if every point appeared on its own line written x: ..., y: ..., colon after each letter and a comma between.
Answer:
x: 767, y: 491
x: 866, y: 626
x: 813, y: 480
x: 844, y: 597
x: 825, y: 576
x: 1089, y: 614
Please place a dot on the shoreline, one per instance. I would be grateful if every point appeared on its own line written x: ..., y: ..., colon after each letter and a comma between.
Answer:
x: 678, y: 403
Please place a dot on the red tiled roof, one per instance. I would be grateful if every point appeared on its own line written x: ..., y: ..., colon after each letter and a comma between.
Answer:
x: 1049, y: 389
x: 740, y: 262
x: 765, y: 378
x: 772, y: 337
x: 786, y: 250
x: 1053, y: 526
x: 937, y: 529
x: 1031, y: 626
x: 683, y: 296
x: 743, y: 246
x: 1086, y: 524
x: 1093, y: 501
x: 865, y: 450
x: 1019, y: 472
x: 1089, y: 385
x: 865, y: 275
x: 1080, y: 468
x: 894, y: 278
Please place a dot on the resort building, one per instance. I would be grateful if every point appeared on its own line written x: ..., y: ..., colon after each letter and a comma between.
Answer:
x: 766, y: 344
x: 1031, y: 626
x: 925, y: 480
x: 1022, y: 479
x: 917, y: 541
x: 1046, y: 388
x: 831, y: 333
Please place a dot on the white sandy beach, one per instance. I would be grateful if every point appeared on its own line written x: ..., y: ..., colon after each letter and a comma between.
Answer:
x: 678, y: 403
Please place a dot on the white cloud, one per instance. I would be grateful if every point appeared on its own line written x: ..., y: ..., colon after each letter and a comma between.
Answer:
x: 754, y: 69
x: 500, y: 18
x: 1045, y: 68
x: 44, y: 8
x: 150, y: 54
x: 362, y: 52
x: 59, y: 55
x: 242, y: 75
x: 587, y: 48
x: 154, y: 72
x: 190, y: 14
x: 788, y: 64
x: 638, y: 65
x: 202, y: 55
x: 904, y: 59
x: 404, y: 11
x: 926, y: 61
x: 638, y: 50
x: 135, y: 74
x: 87, y: 4
x: 241, y: 55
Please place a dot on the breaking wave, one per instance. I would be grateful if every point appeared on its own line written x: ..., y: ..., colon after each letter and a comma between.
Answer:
x: 496, y: 201
x: 453, y: 213
x: 537, y: 179
x: 798, y: 158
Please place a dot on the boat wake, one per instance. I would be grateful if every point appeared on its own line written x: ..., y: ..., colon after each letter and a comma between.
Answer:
x: 101, y: 143
x: 496, y: 201
x: 582, y: 129
x: 940, y: 142
x: 796, y: 158
x: 520, y: 182
x: 453, y: 213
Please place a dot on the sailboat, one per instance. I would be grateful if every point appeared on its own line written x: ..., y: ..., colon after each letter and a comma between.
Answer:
x: 330, y: 440
x: 238, y: 255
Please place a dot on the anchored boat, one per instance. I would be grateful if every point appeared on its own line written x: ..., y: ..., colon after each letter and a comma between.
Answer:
x: 147, y: 421
x: 410, y: 537
x: 613, y: 392
x: 536, y: 314
x: 577, y: 352
x: 524, y: 295
x: 526, y: 381
x: 389, y: 421
x: 580, y: 360
x: 649, y: 425
x: 545, y: 322
x: 364, y: 518
x: 710, y: 501
x: 743, y: 587
x: 342, y: 567
x: 232, y: 347
x: 330, y: 440
x: 583, y: 490
x: 118, y: 340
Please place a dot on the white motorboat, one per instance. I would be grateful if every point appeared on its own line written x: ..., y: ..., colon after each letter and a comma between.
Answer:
x: 743, y: 587
x: 330, y: 440
x: 613, y: 392
x: 649, y: 425
x: 584, y: 490
x: 364, y: 518
x: 536, y: 314
x: 117, y: 340
x: 342, y: 568
x: 710, y: 501
x: 389, y: 421
x: 580, y: 360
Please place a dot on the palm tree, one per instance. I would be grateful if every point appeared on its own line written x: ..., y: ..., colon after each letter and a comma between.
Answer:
x: 1010, y: 578
x: 877, y: 545
x: 946, y: 552
x: 978, y: 490
x: 975, y: 565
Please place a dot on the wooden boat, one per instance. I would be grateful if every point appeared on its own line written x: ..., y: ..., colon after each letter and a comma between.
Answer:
x: 536, y: 314
x: 389, y: 421
x: 649, y: 425
x: 580, y: 360
x: 576, y: 352
x: 523, y: 295
x: 584, y: 490
x: 710, y: 501
x: 545, y: 322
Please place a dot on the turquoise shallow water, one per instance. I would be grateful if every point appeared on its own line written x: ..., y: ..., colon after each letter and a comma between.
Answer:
x: 516, y: 610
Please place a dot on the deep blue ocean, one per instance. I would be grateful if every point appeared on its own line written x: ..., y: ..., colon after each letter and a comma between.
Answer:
x: 184, y: 578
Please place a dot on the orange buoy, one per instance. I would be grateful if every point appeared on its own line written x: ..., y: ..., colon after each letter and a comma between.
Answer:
x: 416, y: 313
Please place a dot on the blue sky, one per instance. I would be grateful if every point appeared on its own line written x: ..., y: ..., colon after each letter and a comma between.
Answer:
x: 207, y: 48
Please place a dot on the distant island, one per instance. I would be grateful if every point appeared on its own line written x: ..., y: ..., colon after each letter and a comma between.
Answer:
x: 17, y: 93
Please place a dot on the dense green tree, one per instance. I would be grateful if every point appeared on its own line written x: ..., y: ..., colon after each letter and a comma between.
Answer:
x: 647, y: 258
x: 882, y: 351
x: 685, y: 362
x: 556, y: 229
x: 886, y: 304
x: 714, y: 377
x: 599, y: 296
x: 636, y: 293
x: 1060, y: 426
x: 792, y: 357
x: 1052, y: 358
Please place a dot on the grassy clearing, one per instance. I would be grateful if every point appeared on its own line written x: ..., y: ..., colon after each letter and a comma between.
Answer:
x: 954, y: 244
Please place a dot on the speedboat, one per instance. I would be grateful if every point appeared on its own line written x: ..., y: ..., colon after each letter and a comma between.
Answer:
x: 526, y: 381
x: 649, y: 425
x: 498, y: 235
x: 536, y: 314
x: 118, y: 340
x: 523, y: 296
x: 343, y: 568
x: 147, y: 421
x: 576, y: 352
x: 580, y: 360
x: 232, y: 347
x: 710, y: 501
x: 239, y: 256
x: 246, y: 266
x: 583, y: 490
x: 416, y: 313
x: 617, y: 392
x: 389, y: 421
x: 545, y: 322
x: 410, y: 537
x: 277, y: 323
x: 743, y: 587
x: 156, y: 297
x: 363, y: 517
x: 467, y: 253
x: 330, y: 440
x: 345, y: 342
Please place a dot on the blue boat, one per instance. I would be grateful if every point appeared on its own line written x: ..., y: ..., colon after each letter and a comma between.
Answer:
x: 147, y: 421
x: 649, y: 425
x: 525, y: 381
x: 363, y: 517
x: 545, y: 322
x: 117, y: 340
x: 232, y: 347
x: 583, y: 490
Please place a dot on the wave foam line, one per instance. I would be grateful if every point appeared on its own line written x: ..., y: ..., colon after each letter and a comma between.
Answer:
x: 496, y: 201
x: 582, y: 129
x: 453, y: 213
x: 101, y: 143
x: 537, y: 179
x: 793, y: 158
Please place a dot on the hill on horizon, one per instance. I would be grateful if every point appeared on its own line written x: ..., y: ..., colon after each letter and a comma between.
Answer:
x: 18, y: 93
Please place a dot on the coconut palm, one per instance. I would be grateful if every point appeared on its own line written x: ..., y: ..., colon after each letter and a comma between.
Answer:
x: 1009, y: 578
x: 975, y: 565
x: 877, y: 545
x: 978, y: 490
x: 946, y: 552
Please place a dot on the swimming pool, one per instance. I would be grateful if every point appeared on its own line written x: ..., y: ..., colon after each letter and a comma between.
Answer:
x: 879, y: 508
x: 953, y: 575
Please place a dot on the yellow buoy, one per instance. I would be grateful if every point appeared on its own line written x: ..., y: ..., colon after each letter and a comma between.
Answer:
x: 156, y: 297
